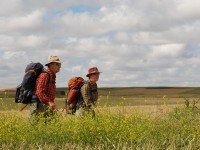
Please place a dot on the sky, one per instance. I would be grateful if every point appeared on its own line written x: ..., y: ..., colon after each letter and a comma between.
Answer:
x: 134, y: 43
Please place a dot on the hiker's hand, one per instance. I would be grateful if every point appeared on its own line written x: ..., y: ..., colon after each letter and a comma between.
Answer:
x: 71, y: 105
x: 90, y: 106
x: 52, y: 105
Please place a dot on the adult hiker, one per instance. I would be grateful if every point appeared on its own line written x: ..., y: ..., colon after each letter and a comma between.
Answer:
x: 45, y: 89
x: 89, y: 93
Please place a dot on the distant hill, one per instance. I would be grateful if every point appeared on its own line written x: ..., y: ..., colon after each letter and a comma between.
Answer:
x: 127, y: 91
x: 133, y: 91
x: 7, y: 89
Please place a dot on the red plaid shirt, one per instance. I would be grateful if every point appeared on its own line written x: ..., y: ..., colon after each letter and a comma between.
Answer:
x: 45, y: 87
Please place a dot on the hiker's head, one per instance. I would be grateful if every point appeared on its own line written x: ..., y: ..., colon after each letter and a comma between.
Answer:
x: 93, y: 74
x: 54, y: 63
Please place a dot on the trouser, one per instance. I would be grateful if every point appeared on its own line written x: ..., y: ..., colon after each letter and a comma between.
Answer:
x: 38, y: 110
x: 84, y: 111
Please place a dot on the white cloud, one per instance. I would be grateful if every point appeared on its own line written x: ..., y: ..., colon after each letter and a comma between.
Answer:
x: 18, y: 23
x: 10, y: 7
x: 134, y: 43
x: 188, y: 9
x: 31, y: 41
x: 167, y: 50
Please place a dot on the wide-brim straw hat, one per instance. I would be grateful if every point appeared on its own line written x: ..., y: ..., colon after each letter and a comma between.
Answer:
x: 92, y: 70
x: 53, y: 59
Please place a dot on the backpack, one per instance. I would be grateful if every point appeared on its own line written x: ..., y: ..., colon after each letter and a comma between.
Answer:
x: 25, y: 90
x: 74, y: 86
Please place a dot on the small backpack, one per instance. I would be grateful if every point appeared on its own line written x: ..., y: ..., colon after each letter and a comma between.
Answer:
x: 74, y: 86
x: 25, y: 90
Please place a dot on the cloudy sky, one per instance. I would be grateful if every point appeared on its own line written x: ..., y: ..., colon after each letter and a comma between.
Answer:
x: 133, y: 42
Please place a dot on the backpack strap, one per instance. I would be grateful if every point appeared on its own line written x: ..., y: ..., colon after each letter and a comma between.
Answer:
x: 89, y: 84
x: 48, y: 80
x: 48, y: 75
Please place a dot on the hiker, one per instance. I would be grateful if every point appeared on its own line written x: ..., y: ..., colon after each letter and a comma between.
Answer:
x: 43, y: 100
x: 89, y: 93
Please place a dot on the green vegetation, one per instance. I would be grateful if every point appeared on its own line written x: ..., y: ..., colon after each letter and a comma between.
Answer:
x: 178, y: 129
x: 123, y: 121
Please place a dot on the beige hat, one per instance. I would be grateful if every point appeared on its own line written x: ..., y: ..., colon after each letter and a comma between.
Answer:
x: 52, y: 59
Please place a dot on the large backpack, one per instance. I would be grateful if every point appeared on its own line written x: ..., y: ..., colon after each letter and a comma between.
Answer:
x: 74, y: 85
x: 25, y: 90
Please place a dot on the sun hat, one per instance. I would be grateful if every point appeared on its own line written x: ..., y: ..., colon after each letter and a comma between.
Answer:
x: 92, y: 70
x: 53, y: 58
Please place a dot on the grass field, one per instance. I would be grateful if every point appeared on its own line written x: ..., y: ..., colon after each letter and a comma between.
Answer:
x: 127, y: 118
x: 117, y: 96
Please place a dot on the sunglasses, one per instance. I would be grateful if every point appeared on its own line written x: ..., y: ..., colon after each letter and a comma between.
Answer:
x: 58, y: 64
x: 96, y: 73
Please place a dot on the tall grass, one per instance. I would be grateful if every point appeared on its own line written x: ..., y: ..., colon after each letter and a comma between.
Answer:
x: 178, y: 129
